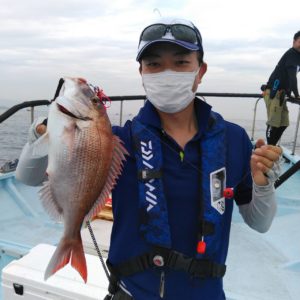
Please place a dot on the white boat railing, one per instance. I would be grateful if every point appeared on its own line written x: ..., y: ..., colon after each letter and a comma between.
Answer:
x: 297, y: 122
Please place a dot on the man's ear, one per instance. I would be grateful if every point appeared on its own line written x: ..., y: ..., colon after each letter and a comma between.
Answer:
x: 198, y: 78
x: 140, y: 68
x: 202, y: 70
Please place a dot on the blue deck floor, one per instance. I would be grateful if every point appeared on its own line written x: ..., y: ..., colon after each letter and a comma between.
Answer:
x: 23, y: 222
x: 267, y: 266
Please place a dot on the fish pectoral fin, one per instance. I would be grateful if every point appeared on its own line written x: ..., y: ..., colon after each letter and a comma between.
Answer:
x: 115, y: 170
x: 40, y: 147
x: 49, y: 202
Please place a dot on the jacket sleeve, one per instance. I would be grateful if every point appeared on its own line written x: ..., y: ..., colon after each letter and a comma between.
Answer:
x: 292, y: 74
x: 31, y: 169
x: 256, y: 204
x: 260, y: 212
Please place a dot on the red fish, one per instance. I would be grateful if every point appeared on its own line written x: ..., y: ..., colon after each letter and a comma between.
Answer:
x: 84, y: 161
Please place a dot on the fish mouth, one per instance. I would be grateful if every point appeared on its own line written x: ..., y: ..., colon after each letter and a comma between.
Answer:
x: 67, y: 112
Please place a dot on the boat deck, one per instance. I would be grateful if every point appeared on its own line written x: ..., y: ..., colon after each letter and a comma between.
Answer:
x: 267, y: 266
x: 260, y: 266
x: 23, y: 222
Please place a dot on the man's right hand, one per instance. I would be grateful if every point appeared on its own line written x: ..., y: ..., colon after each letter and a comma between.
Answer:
x: 37, y: 129
x: 41, y: 129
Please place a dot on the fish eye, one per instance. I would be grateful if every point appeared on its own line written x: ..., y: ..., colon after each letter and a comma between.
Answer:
x: 95, y: 99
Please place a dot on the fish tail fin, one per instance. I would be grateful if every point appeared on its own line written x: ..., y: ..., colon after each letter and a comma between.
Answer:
x: 68, y: 250
x: 78, y: 261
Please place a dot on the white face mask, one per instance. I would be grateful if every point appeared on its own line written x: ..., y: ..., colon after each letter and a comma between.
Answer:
x: 170, y: 91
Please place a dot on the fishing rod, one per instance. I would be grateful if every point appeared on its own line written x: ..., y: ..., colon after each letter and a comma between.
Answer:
x: 287, y: 174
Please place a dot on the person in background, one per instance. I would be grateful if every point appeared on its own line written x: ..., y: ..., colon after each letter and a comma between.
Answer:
x: 281, y: 84
x: 171, y: 227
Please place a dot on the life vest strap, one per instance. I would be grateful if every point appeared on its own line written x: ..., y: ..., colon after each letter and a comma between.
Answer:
x: 206, y: 228
x: 199, y: 268
x: 147, y: 174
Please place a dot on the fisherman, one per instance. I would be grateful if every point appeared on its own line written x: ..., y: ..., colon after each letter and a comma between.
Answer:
x: 281, y: 84
x: 172, y: 222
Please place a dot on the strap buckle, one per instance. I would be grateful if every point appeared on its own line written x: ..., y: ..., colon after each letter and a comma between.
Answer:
x: 147, y: 174
x: 179, y: 261
x: 201, y: 268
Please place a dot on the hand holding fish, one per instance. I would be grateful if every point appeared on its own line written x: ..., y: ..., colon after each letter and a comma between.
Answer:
x: 262, y: 161
x: 41, y: 129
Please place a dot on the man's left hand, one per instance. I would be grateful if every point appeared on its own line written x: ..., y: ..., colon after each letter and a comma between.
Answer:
x: 262, y: 160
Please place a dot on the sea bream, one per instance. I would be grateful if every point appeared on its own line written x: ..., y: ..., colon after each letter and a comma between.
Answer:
x: 84, y: 161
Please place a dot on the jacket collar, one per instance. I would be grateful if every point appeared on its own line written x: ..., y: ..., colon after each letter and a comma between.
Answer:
x: 149, y: 116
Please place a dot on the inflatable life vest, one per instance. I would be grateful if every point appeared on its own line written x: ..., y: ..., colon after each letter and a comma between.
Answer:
x: 155, y: 227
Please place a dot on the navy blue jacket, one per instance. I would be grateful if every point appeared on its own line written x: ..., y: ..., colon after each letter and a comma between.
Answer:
x: 286, y: 72
x: 182, y: 189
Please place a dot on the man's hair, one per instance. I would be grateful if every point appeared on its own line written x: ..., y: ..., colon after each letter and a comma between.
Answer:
x: 297, y: 35
x: 148, y: 53
x: 200, y: 57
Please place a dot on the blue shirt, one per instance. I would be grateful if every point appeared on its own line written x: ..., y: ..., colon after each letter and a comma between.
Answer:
x: 181, y: 179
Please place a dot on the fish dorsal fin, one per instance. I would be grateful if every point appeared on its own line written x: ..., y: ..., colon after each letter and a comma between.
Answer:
x: 118, y: 157
x: 49, y: 202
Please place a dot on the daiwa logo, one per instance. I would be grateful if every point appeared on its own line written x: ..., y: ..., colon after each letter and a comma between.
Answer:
x: 147, y: 155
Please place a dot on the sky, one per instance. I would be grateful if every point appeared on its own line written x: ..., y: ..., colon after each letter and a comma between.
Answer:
x: 42, y: 41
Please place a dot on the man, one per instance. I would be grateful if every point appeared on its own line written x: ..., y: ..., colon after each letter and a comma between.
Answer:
x: 282, y: 83
x: 171, y: 221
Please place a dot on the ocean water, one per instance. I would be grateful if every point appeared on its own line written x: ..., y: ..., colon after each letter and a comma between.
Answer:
x: 14, y: 131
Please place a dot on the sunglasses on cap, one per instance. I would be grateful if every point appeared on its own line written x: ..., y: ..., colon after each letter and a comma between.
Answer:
x: 179, y: 32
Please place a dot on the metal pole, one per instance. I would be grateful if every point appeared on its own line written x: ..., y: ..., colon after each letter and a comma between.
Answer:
x: 121, y: 112
x: 254, y: 119
x: 296, y: 133
x: 32, y: 114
